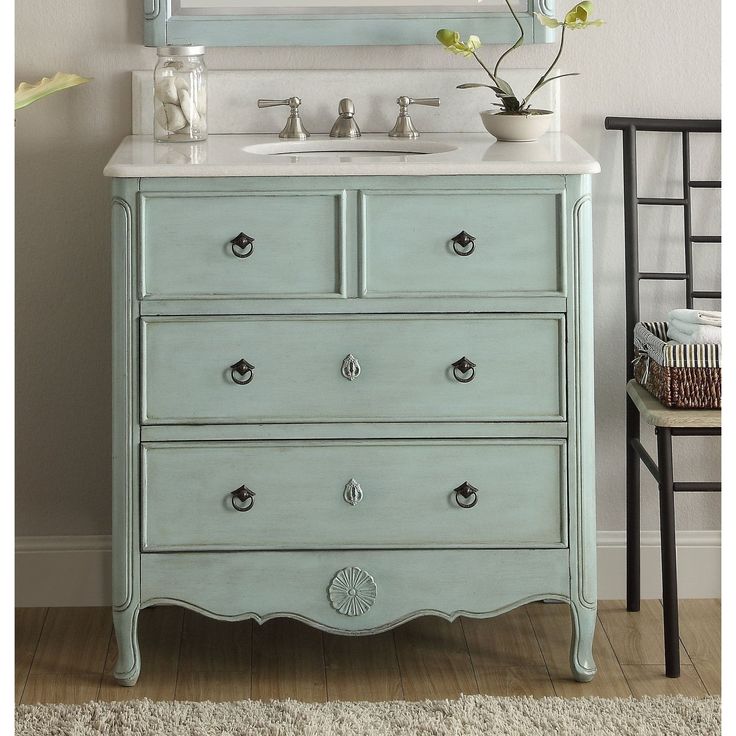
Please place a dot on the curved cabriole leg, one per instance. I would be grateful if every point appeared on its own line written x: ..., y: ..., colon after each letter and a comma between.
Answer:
x: 581, y: 649
x: 128, y: 664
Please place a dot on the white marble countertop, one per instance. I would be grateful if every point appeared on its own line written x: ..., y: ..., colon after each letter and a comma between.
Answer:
x: 459, y: 153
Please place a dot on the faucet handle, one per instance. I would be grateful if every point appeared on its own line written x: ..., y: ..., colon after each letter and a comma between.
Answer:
x: 292, y: 102
x: 430, y: 101
x: 404, y: 127
x: 293, y: 128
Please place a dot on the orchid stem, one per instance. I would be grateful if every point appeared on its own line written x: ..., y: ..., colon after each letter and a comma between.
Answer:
x: 519, y: 41
x: 488, y: 71
x: 544, y: 76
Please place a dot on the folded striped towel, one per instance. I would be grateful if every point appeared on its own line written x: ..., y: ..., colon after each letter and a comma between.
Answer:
x: 694, y: 335
x: 695, y: 317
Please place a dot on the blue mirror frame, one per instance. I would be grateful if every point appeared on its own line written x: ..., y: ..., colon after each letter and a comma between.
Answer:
x: 164, y: 27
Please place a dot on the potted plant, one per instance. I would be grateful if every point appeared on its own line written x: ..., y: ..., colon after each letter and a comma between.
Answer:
x: 517, y: 120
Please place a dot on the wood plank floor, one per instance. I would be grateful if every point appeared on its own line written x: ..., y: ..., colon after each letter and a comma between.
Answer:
x: 66, y: 655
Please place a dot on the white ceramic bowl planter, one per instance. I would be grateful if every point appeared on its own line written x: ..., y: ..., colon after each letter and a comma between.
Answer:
x: 515, y: 127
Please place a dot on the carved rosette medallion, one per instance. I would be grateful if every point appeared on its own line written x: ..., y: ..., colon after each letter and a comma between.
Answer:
x: 352, y: 591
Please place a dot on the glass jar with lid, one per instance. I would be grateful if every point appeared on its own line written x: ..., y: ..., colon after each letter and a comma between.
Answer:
x: 180, y: 94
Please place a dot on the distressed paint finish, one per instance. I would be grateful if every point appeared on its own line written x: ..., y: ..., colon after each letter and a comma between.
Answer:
x: 298, y: 250
x: 405, y: 371
x: 125, y: 434
x: 524, y: 426
x: 583, y: 591
x: 407, y: 486
x: 410, y: 583
x: 162, y: 27
x: 406, y: 248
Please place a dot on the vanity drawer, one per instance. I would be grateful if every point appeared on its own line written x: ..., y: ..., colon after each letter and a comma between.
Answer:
x: 353, y: 494
x: 407, y: 244
x: 298, y: 248
x: 190, y: 368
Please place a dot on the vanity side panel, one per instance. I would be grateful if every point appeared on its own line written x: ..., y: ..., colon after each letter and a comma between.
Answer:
x: 125, y: 428
x: 581, y: 407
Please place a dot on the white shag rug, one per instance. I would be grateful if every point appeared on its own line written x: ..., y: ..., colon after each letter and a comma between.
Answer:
x: 474, y: 715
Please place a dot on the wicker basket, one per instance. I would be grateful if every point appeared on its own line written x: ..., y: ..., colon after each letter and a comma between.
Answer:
x: 680, y: 376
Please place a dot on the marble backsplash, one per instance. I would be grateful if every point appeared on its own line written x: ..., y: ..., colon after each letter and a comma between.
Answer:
x: 232, y: 98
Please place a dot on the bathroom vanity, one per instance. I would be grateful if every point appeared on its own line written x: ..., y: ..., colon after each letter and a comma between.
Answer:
x: 353, y: 384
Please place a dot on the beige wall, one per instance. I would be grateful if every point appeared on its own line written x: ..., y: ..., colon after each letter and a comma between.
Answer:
x: 659, y: 58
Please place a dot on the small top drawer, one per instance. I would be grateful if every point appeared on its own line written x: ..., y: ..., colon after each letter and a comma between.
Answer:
x: 297, y: 248
x: 408, y: 248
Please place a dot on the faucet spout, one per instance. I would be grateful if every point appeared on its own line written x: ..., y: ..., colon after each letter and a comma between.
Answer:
x: 345, y: 126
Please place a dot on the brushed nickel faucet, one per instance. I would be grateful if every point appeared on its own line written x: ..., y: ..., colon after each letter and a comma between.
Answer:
x: 293, y: 130
x: 404, y: 127
x: 345, y: 125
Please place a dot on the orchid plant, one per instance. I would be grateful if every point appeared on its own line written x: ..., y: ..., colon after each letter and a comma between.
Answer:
x: 511, y: 103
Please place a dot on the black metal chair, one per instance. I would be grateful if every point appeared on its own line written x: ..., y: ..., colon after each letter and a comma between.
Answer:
x: 668, y: 423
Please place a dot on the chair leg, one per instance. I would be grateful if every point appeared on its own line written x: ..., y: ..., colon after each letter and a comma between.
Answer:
x: 669, y: 553
x: 633, y: 510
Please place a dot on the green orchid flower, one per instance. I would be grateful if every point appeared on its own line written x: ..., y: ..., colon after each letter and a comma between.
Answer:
x: 577, y: 18
x: 452, y: 42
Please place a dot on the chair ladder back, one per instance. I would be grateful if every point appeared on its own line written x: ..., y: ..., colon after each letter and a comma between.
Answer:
x: 632, y: 202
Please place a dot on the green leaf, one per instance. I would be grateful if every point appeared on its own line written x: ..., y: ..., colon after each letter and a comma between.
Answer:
x: 471, y: 85
x: 28, y: 93
x: 511, y: 103
x: 505, y: 86
x: 559, y: 76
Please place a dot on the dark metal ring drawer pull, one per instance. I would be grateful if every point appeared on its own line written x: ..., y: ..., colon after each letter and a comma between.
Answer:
x: 463, y: 240
x: 244, y: 369
x: 463, y: 366
x: 244, y: 496
x: 242, y: 245
x: 468, y: 493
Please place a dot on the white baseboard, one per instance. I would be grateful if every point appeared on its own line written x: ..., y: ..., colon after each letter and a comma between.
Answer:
x: 698, y: 565
x: 63, y: 571
x: 75, y: 571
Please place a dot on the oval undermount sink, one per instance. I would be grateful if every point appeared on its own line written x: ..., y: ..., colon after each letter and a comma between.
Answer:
x: 346, y: 148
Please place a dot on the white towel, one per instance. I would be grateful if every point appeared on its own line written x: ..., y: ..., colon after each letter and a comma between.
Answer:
x: 695, y: 317
x: 703, y: 334
x: 688, y: 328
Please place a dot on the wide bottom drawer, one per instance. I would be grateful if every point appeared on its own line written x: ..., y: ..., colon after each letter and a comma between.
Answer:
x: 353, y: 494
x: 354, y: 592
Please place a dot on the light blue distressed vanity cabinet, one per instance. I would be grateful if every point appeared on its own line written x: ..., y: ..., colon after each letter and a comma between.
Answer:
x: 325, y: 408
